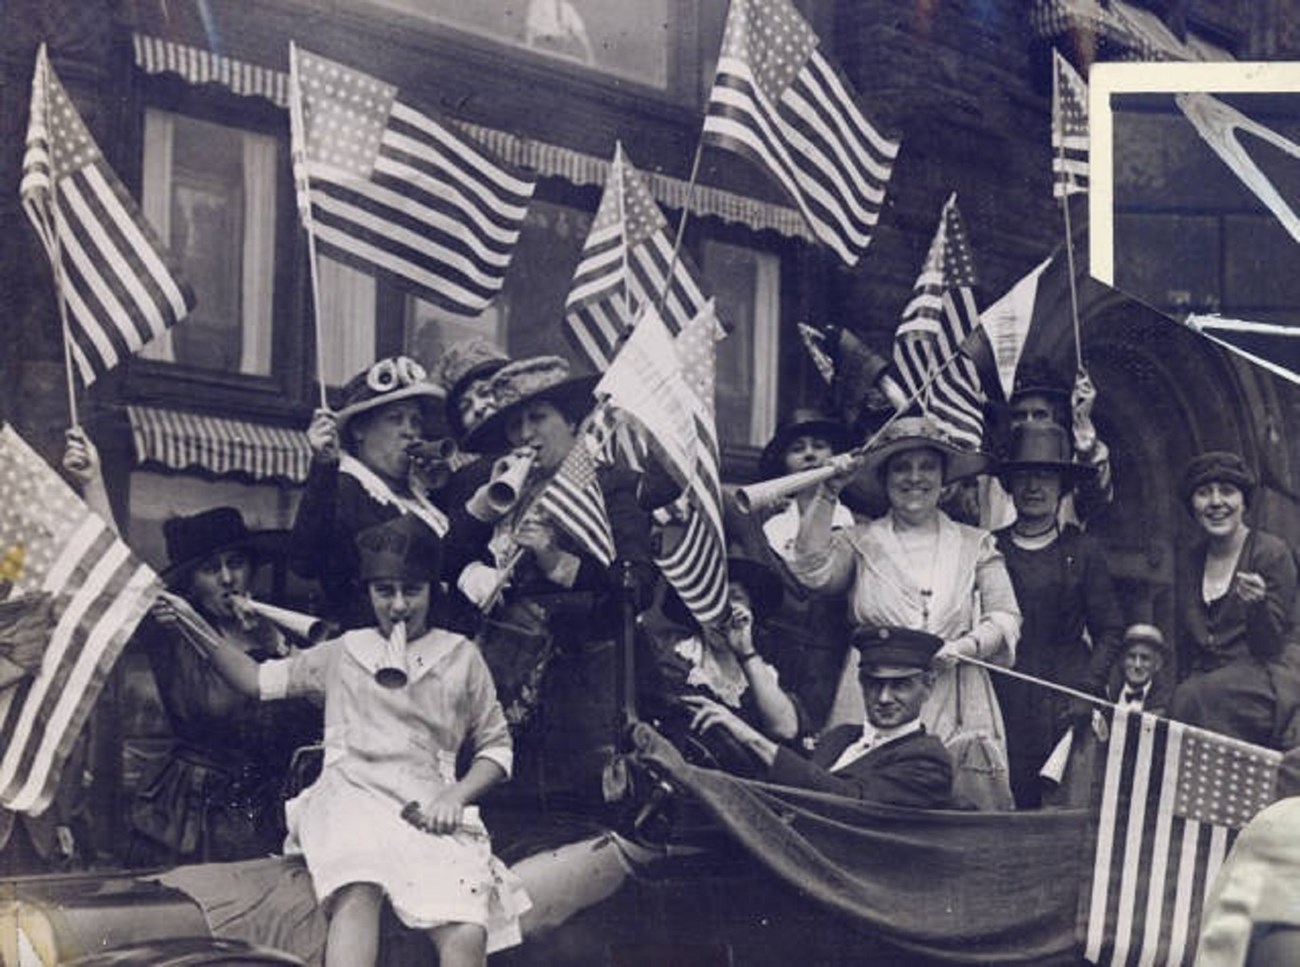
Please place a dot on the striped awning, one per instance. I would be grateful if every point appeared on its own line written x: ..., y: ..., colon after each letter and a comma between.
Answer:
x: 180, y: 441
x: 155, y: 55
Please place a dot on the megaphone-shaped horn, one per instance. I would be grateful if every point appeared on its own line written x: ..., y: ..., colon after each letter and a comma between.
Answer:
x: 508, y: 477
x: 305, y: 626
x: 392, y: 673
x: 433, y: 451
x: 767, y: 493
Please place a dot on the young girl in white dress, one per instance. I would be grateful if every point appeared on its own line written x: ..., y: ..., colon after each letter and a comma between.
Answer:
x: 388, y: 818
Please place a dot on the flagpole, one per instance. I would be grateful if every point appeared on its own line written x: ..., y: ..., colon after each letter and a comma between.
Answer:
x: 618, y: 171
x: 681, y: 224
x: 298, y: 136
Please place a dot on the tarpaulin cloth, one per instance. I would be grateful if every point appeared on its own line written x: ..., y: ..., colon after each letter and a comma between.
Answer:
x: 964, y: 887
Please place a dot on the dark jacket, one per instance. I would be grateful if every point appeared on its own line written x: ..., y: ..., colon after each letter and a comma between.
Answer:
x: 914, y: 770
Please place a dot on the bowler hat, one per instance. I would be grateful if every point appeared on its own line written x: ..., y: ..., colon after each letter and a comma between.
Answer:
x: 1220, y: 466
x: 387, y: 381
x: 192, y: 540
x: 1043, y: 446
x: 521, y: 383
x: 889, y: 651
x: 804, y: 421
x: 462, y: 364
x: 1145, y: 634
x: 401, y: 549
x: 1037, y: 376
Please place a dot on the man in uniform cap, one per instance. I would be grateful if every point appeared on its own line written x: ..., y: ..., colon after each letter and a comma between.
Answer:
x: 890, y: 758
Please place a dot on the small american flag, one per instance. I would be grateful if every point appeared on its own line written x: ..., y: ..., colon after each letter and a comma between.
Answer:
x: 937, y: 323
x: 779, y: 102
x: 1069, y: 128
x: 390, y: 188
x: 624, y: 266
x: 100, y: 592
x: 120, y: 286
x: 1168, y: 808
x: 573, y: 499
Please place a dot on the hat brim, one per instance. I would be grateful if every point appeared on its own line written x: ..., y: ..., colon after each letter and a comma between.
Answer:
x: 422, y: 391
x: 490, y: 435
x: 957, y: 463
x: 489, y: 367
x: 770, y: 460
x: 890, y: 671
x: 1072, y: 472
x: 262, y: 546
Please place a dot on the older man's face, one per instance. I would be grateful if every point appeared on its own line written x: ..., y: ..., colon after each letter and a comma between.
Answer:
x: 892, y: 698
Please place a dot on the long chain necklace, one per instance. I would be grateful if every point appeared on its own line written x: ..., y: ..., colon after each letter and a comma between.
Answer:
x: 921, y: 568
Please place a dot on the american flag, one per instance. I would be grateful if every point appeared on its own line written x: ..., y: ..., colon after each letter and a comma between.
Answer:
x: 624, y: 266
x: 573, y: 499
x: 1169, y: 807
x: 120, y: 286
x: 100, y: 592
x: 390, y: 188
x: 938, y: 323
x: 779, y: 102
x: 1069, y: 128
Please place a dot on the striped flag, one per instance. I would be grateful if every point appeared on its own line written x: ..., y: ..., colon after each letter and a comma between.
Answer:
x: 1069, y: 128
x: 779, y: 102
x: 1170, y: 804
x: 624, y: 267
x: 386, y: 187
x: 938, y: 323
x: 573, y: 499
x: 120, y: 286
x: 100, y: 592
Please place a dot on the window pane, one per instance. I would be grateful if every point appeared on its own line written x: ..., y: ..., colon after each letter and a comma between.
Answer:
x: 210, y: 191
x: 746, y: 286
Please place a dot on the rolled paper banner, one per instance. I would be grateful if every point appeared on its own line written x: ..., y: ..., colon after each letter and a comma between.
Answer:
x: 392, y: 674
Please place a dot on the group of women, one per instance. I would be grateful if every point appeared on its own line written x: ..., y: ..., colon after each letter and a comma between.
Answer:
x: 545, y: 608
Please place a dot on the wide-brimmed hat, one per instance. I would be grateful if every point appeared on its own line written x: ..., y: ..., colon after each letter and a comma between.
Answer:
x: 387, y: 381
x: 804, y: 421
x: 192, y: 540
x: 521, y: 383
x: 1044, y: 446
x: 401, y: 549
x: 889, y: 651
x: 1222, y: 466
x: 912, y: 432
x: 1038, y: 376
x: 462, y: 364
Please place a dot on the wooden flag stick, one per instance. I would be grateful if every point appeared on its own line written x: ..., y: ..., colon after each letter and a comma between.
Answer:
x: 618, y: 170
x: 302, y: 188
x: 681, y: 224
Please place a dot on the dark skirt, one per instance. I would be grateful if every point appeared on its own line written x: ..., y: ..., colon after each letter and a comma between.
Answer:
x: 1247, y: 699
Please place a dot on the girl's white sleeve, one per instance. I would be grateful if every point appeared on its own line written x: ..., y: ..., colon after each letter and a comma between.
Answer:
x: 301, y: 675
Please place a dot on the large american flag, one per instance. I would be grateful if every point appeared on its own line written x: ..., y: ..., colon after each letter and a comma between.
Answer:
x: 100, y: 592
x: 391, y: 188
x: 120, y: 286
x: 779, y: 102
x: 1170, y: 804
x: 573, y: 499
x: 938, y: 321
x: 664, y: 387
x: 1069, y: 128
x: 624, y: 267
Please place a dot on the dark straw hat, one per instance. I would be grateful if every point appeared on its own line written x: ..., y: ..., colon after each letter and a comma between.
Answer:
x: 387, y: 381
x: 1043, y: 446
x: 1220, y: 466
x: 401, y: 549
x: 523, y: 382
x: 192, y: 540
x: 804, y: 421
x: 894, y: 652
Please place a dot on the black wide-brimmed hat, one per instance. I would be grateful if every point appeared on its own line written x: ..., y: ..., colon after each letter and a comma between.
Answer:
x: 401, y: 549
x: 804, y: 421
x: 1044, y: 446
x: 462, y: 364
x: 387, y: 381
x: 192, y: 540
x: 889, y: 651
x: 1222, y: 466
x: 1038, y: 376
x: 516, y: 385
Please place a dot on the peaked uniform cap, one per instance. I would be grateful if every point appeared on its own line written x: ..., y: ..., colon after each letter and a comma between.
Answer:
x: 894, y: 652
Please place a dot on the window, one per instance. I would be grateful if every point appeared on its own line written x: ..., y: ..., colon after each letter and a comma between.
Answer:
x: 210, y: 192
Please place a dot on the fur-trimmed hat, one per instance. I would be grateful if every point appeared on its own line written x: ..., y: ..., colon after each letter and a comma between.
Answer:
x: 387, y: 381
x: 894, y: 652
x: 525, y: 381
x: 462, y: 364
x: 1222, y: 466
x: 804, y: 421
x: 192, y: 540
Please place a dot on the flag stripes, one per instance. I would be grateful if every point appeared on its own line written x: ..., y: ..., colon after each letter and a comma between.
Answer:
x: 1069, y: 129
x: 100, y: 592
x: 1171, y: 802
x: 777, y: 101
x: 393, y: 189
x: 695, y: 566
x: 624, y: 267
x: 120, y: 286
x: 573, y: 499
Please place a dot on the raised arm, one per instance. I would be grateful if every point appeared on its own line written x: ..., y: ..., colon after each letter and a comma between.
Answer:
x: 232, y: 664
x: 81, y: 461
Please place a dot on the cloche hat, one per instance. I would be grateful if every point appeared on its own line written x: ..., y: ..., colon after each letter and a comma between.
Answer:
x: 193, y: 539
